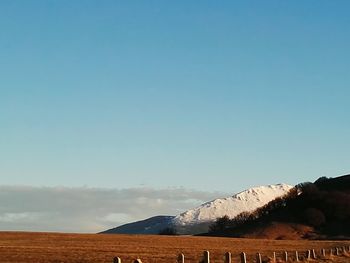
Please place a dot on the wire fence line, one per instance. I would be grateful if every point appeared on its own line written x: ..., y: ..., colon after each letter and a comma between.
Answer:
x: 275, y: 257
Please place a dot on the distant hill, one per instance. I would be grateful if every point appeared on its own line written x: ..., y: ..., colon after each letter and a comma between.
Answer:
x: 151, y: 225
x: 198, y: 220
x: 319, y: 210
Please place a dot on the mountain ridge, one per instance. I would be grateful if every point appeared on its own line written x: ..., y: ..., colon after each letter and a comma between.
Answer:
x: 318, y: 210
x: 152, y: 225
x: 198, y: 219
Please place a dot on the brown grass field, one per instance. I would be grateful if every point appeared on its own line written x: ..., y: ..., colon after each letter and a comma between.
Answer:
x: 31, y: 247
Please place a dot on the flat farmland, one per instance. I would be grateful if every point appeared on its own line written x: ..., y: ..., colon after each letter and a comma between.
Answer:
x: 32, y: 247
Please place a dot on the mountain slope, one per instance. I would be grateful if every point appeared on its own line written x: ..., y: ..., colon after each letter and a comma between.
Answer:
x: 151, y: 225
x: 319, y: 210
x: 246, y: 201
x: 197, y: 220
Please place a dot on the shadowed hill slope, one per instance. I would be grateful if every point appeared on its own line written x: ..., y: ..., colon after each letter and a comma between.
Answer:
x: 148, y: 226
x: 341, y: 183
x: 323, y: 205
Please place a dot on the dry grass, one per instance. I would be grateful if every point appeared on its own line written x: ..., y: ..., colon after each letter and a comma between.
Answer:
x: 55, y: 248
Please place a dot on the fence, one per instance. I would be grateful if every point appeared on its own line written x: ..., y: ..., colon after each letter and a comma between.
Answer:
x: 276, y: 256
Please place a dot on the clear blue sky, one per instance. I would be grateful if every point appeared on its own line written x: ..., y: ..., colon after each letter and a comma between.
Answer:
x: 209, y: 95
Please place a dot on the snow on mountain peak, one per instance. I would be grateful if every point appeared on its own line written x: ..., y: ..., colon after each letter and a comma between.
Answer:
x: 246, y: 201
x: 198, y: 220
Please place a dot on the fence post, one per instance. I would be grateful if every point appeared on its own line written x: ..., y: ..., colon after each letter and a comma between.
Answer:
x: 337, y: 251
x: 117, y: 260
x: 181, y: 258
x: 285, y: 256
x: 274, y: 256
x: 228, y: 257
x: 243, y: 258
x: 206, y: 257
x: 296, y: 256
x: 137, y: 260
x: 323, y: 252
x: 258, y: 258
x: 313, y: 254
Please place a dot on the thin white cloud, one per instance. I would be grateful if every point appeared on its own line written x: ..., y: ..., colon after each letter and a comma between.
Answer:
x: 89, y: 209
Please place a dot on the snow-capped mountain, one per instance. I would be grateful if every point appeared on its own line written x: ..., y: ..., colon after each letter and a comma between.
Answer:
x: 197, y: 220
x: 246, y: 201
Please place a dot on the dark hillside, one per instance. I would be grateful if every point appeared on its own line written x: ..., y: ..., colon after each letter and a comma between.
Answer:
x: 323, y: 205
x: 341, y: 183
x: 151, y: 225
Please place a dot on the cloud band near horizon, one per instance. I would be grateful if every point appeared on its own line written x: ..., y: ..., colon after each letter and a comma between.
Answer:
x: 91, y: 210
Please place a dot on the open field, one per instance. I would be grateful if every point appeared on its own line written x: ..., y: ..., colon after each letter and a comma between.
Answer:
x: 55, y: 247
